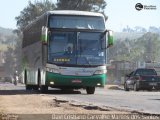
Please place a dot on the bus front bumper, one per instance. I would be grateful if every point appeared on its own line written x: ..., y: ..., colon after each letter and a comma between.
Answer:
x: 58, y: 80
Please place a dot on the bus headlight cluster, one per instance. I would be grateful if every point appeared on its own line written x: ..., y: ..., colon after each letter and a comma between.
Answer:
x: 98, y: 72
x: 52, y: 70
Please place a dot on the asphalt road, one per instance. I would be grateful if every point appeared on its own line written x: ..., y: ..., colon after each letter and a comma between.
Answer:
x: 141, y: 101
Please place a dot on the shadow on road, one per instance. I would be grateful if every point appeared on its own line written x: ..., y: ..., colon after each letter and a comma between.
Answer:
x: 17, y: 92
x: 62, y: 92
x: 154, y: 99
x: 10, y: 89
x: 24, y: 92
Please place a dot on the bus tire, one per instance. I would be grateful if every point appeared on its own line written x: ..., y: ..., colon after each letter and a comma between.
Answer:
x: 28, y: 87
x: 39, y: 78
x: 25, y: 76
x: 43, y: 88
x: 90, y: 90
x: 36, y: 87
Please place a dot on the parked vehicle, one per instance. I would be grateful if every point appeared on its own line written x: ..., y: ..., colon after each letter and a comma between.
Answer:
x: 142, y: 79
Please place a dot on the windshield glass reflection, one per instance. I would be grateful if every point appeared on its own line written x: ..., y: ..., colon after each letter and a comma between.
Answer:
x: 76, y: 48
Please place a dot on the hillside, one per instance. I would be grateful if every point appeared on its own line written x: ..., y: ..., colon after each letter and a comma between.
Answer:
x: 127, y: 35
x: 7, y: 38
x: 6, y: 31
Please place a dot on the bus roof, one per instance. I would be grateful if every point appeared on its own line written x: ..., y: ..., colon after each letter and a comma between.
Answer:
x: 66, y: 12
x: 74, y: 12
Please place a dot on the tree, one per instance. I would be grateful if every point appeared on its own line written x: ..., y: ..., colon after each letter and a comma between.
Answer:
x: 31, y: 12
x: 154, y: 29
x: 12, y: 54
x: 84, y: 5
x: 9, y: 61
x: 151, y: 44
x: 146, y: 48
x: 28, y: 15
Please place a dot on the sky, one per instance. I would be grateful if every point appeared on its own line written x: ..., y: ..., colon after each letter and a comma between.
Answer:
x: 121, y: 13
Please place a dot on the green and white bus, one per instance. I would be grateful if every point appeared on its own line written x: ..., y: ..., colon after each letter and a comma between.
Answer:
x: 66, y: 50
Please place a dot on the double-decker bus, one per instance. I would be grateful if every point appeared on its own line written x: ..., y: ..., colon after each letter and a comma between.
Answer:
x: 66, y: 50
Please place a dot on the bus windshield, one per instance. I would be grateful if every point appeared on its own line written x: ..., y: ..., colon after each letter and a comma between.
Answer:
x: 77, y: 22
x: 76, y: 48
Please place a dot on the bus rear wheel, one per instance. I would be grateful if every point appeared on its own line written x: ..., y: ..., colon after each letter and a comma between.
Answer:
x: 90, y: 90
x: 28, y: 87
x: 35, y: 87
x: 43, y: 88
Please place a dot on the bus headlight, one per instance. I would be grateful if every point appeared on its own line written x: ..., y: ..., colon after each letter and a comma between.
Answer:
x: 51, y: 83
x: 98, y: 84
x: 52, y: 70
x: 98, y: 72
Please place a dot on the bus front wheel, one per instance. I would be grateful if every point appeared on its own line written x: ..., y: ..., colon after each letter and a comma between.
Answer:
x: 90, y: 90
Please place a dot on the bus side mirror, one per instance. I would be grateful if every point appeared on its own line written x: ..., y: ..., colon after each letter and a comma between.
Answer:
x: 110, y: 39
x: 44, y: 35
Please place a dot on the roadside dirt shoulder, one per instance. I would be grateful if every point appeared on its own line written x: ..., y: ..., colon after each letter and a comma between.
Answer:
x: 42, y: 104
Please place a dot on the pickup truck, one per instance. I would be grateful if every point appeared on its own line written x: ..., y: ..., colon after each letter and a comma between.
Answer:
x: 142, y: 79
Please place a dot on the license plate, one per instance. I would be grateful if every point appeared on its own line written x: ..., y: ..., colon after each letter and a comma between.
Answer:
x: 76, y: 81
x: 153, y: 84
